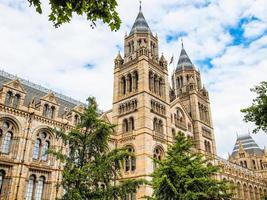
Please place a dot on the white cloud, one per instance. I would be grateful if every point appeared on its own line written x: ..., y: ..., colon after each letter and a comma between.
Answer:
x: 32, y: 48
x: 254, y: 29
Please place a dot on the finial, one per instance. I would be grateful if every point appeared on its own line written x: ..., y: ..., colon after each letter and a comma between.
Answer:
x: 140, y: 6
x: 182, y: 43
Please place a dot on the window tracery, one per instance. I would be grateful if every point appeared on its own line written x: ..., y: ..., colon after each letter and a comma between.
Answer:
x: 41, y: 145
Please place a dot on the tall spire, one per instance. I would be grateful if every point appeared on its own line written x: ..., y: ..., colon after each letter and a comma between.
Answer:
x: 184, y: 60
x: 140, y: 25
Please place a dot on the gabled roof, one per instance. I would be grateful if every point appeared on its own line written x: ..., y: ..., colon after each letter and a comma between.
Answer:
x: 140, y: 25
x: 248, y: 144
x: 184, y: 61
x: 35, y: 92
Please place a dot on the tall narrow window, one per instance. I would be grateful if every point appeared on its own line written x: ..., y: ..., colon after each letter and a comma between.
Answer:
x: 76, y: 119
x: 7, y: 142
x: 130, y: 162
x: 36, y: 149
x: 30, y: 187
x: 52, y: 114
x: 16, y: 101
x: 123, y: 85
x: 44, y: 151
x: 155, y: 124
x: 46, y: 110
x: 39, y: 188
x: 131, y: 124
x: 157, y: 154
x: 9, y: 96
x: 125, y: 127
x: 2, y: 176
x: 160, y: 126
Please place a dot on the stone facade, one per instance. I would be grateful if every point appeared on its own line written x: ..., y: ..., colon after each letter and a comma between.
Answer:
x: 26, y: 113
x: 148, y: 113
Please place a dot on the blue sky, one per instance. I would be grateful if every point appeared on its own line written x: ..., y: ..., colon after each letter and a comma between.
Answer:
x: 226, y: 40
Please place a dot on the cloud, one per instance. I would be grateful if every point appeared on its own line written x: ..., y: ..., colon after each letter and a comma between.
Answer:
x: 226, y: 39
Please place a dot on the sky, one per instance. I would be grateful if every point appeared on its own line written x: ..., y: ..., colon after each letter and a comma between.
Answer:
x: 225, y: 39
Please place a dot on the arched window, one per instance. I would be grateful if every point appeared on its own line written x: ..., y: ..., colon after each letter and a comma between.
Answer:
x: 130, y: 162
x: 46, y: 110
x: 44, y: 150
x: 135, y: 82
x: 39, y: 188
x: 7, y: 129
x: 131, y: 124
x: 125, y: 126
x: 151, y: 81
x: 30, y: 188
x: 254, y: 164
x: 245, y: 164
x: 76, y: 119
x: 36, y: 149
x: 155, y: 124
x: 160, y: 126
x: 41, y: 146
x: 2, y: 177
x: 158, y: 155
x: 9, y: 96
x: 16, y: 100
x: 52, y: 114
x: 7, y: 142
x: 123, y: 85
x: 129, y: 83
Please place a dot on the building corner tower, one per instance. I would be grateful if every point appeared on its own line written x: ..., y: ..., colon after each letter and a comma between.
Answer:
x: 188, y: 88
x: 140, y: 101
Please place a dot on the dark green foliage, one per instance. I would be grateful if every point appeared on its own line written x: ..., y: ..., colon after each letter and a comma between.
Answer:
x: 91, y: 170
x: 257, y: 112
x: 184, y: 175
x: 63, y: 10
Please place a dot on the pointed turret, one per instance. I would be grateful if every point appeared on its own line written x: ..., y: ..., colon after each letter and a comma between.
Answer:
x: 118, y: 60
x: 140, y: 25
x: 184, y: 61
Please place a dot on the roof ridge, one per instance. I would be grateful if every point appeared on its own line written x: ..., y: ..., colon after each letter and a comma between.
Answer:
x: 38, y: 87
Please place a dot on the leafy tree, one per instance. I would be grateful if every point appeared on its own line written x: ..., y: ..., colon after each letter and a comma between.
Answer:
x: 184, y: 175
x: 257, y: 112
x: 91, y: 169
x: 62, y: 11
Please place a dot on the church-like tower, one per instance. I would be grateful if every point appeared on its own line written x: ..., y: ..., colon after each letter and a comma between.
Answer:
x: 187, y: 87
x: 141, y: 101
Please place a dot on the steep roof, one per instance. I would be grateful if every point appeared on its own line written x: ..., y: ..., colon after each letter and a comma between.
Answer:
x: 248, y: 144
x: 140, y: 25
x: 184, y: 61
x: 37, y: 92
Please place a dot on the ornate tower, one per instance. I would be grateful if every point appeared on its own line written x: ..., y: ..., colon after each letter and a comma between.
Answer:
x: 140, y: 101
x: 186, y: 81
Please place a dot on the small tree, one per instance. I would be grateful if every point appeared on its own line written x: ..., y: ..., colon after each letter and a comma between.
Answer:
x: 184, y: 175
x: 62, y: 11
x: 257, y: 112
x: 91, y: 170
